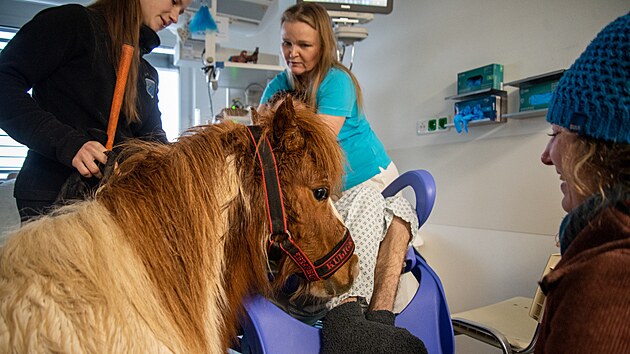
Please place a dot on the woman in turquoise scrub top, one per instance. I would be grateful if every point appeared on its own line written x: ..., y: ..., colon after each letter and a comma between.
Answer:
x: 382, y: 228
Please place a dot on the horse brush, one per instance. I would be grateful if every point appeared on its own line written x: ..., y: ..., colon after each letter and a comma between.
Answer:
x: 75, y: 187
x: 119, y: 93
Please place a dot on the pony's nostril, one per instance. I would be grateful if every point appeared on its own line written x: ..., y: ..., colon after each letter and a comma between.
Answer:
x: 331, y: 289
x: 335, y: 287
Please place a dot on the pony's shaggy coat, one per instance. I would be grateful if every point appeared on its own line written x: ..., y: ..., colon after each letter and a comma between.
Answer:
x: 161, y: 258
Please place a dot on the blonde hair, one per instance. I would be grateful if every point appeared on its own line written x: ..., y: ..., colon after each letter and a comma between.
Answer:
x: 598, y: 166
x: 317, y: 18
x: 124, y: 19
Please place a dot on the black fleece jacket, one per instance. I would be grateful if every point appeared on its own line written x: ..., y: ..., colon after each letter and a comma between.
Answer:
x: 62, y: 54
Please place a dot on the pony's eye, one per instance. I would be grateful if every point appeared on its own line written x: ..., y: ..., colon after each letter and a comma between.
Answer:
x: 320, y: 193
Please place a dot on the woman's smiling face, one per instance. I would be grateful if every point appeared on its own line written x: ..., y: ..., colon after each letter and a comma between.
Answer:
x: 158, y: 14
x: 556, y: 150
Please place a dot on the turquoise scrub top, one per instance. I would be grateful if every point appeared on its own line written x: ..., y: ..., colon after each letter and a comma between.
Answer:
x: 337, y: 96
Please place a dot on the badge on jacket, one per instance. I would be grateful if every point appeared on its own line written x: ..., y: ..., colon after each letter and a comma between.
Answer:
x: 151, y: 87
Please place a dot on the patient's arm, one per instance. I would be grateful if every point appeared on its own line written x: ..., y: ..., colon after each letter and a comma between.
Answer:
x: 389, y: 264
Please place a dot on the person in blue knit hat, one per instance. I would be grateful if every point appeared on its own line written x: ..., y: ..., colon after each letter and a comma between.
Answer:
x: 588, y: 293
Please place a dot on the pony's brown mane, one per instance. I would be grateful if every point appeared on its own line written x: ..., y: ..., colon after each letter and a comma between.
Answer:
x: 194, y: 211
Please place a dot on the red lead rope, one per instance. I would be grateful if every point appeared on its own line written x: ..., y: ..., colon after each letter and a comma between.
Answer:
x: 280, y: 240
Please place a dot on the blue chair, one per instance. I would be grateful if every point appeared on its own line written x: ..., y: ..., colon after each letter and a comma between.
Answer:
x: 270, y: 330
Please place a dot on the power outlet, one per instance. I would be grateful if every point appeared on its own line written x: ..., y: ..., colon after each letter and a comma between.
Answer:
x: 422, y: 127
x: 433, y: 125
x: 442, y: 122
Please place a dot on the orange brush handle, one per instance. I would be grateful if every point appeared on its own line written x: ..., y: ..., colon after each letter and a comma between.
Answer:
x: 119, y: 93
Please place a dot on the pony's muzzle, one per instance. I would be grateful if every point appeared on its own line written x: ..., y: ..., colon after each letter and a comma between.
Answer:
x: 343, y: 279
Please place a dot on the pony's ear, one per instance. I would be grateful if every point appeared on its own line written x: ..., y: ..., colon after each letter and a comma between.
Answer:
x: 256, y: 120
x: 285, y: 126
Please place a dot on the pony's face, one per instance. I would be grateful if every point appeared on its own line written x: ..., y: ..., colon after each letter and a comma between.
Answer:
x: 319, y: 232
x: 309, y: 163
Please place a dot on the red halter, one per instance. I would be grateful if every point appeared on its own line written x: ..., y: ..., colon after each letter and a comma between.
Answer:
x: 280, y: 240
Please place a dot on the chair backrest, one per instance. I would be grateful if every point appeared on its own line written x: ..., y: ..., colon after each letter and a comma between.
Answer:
x: 423, y: 185
x: 268, y: 329
x: 538, y: 303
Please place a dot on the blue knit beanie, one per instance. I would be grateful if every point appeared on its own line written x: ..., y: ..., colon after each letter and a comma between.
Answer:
x: 593, y: 96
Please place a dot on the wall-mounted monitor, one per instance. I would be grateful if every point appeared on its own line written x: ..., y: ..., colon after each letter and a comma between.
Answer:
x: 361, y: 6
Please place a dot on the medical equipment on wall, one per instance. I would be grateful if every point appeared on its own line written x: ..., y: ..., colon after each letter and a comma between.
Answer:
x: 196, y: 43
x: 347, y: 16
x: 348, y: 31
x: 223, y: 66
x: 481, y: 98
x: 361, y: 7
x: 197, y: 33
x: 246, y: 17
x: 484, y: 108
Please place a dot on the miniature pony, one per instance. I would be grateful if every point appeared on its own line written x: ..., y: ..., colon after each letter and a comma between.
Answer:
x: 161, y: 258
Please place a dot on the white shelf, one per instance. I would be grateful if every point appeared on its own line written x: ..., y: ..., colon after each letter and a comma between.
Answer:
x: 484, y: 92
x: 526, y: 114
x: 240, y: 75
x: 485, y: 121
x: 550, y: 76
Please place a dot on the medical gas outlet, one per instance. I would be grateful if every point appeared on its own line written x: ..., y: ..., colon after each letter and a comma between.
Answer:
x: 433, y: 125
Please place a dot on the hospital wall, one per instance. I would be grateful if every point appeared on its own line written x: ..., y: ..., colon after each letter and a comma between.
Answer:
x: 498, y: 208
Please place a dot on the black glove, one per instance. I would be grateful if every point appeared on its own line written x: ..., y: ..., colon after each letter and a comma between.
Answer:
x: 381, y: 316
x: 347, y: 330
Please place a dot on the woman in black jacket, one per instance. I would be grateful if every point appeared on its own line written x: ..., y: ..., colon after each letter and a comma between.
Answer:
x: 68, y: 56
